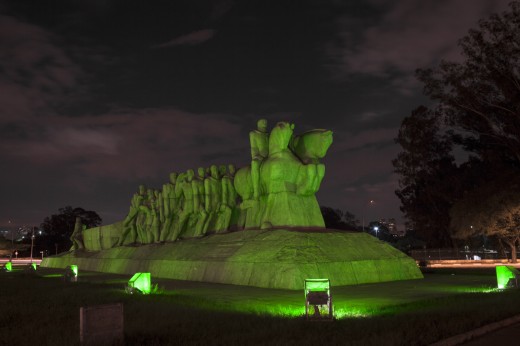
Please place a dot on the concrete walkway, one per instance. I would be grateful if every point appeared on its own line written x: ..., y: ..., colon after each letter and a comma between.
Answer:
x: 504, y: 336
x: 505, y: 332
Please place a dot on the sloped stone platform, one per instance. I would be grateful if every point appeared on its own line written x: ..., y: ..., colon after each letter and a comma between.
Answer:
x: 263, y: 258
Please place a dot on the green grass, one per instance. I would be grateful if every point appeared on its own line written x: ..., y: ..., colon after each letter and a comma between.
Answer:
x: 43, y: 309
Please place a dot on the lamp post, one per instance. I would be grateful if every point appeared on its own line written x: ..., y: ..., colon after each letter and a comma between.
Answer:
x: 12, y: 239
x: 32, y: 245
x: 376, y: 228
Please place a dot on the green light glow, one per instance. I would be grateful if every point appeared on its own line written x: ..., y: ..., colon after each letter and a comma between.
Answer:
x: 317, y: 285
x: 74, y: 269
x: 8, y: 266
x: 141, y: 282
x: 317, y: 295
x: 504, y: 274
x: 259, y: 258
x: 33, y: 265
x: 350, y: 313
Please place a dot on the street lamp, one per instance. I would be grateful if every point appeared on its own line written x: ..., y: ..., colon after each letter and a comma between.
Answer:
x: 376, y: 228
x: 12, y: 239
x: 32, y: 245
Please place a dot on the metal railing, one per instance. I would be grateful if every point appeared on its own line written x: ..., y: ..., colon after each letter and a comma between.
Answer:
x: 457, y: 254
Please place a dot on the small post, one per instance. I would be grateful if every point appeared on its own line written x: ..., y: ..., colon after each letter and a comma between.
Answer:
x: 32, y: 245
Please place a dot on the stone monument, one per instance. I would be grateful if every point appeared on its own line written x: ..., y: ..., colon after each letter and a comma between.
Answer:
x: 260, y: 225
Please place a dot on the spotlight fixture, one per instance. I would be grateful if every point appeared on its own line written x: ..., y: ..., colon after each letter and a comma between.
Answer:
x: 317, y: 295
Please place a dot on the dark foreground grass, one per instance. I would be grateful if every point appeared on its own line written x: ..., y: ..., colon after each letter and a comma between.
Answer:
x: 36, y: 310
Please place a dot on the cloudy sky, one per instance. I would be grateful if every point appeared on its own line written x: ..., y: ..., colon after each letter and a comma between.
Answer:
x: 99, y: 96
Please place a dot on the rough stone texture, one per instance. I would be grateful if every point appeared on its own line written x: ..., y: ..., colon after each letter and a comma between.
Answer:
x: 263, y: 258
x: 102, y: 237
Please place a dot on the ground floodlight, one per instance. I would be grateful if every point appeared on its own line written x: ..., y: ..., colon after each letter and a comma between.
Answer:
x: 140, y: 283
x: 31, y: 268
x: 317, y: 295
x: 8, y: 266
x: 507, y: 276
x: 71, y: 273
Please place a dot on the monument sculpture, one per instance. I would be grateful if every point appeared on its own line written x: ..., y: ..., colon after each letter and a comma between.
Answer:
x: 260, y: 225
x: 77, y: 235
x: 276, y: 190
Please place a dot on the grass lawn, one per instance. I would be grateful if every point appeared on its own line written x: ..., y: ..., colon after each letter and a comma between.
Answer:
x: 42, y: 309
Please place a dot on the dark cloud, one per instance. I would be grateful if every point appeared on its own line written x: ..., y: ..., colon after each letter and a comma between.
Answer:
x: 409, y: 34
x: 193, y: 38
x: 89, y: 111
x: 36, y: 73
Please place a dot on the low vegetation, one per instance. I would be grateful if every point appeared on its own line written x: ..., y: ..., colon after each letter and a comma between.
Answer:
x: 44, y: 310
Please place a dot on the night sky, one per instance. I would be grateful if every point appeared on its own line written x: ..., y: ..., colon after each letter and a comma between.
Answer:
x: 99, y: 96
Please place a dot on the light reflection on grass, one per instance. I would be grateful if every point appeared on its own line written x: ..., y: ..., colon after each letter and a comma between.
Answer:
x: 348, y: 302
x: 341, y: 313
x: 471, y: 289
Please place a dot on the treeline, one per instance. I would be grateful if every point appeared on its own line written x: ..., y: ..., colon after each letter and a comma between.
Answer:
x: 459, y: 166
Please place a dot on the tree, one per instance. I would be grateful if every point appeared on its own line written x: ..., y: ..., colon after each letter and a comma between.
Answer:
x: 59, y: 227
x: 380, y: 231
x: 427, y: 169
x: 493, y: 210
x: 337, y: 219
x: 476, y: 108
x: 479, y: 97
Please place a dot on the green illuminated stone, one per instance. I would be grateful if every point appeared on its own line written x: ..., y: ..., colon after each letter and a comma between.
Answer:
x: 271, y: 259
x: 277, y: 189
x: 287, y: 183
x: 505, y: 274
x: 142, y: 282
x: 272, y: 201
x: 77, y: 235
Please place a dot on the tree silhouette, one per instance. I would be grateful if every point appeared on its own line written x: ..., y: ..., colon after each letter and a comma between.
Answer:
x: 59, y: 227
x: 476, y: 108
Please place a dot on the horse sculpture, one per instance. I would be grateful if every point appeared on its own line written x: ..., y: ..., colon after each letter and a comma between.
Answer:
x: 289, y: 178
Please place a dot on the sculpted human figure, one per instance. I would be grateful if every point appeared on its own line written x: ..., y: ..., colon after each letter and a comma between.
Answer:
x: 170, y: 207
x: 131, y: 220
x: 140, y: 221
x: 77, y: 235
x: 156, y: 223
x: 222, y: 170
x: 146, y: 218
x: 290, y: 184
x: 229, y: 194
x: 159, y: 205
x: 213, y: 189
x: 229, y: 200
x: 199, y: 197
x: 259, y: 140
x: 185, y: 191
